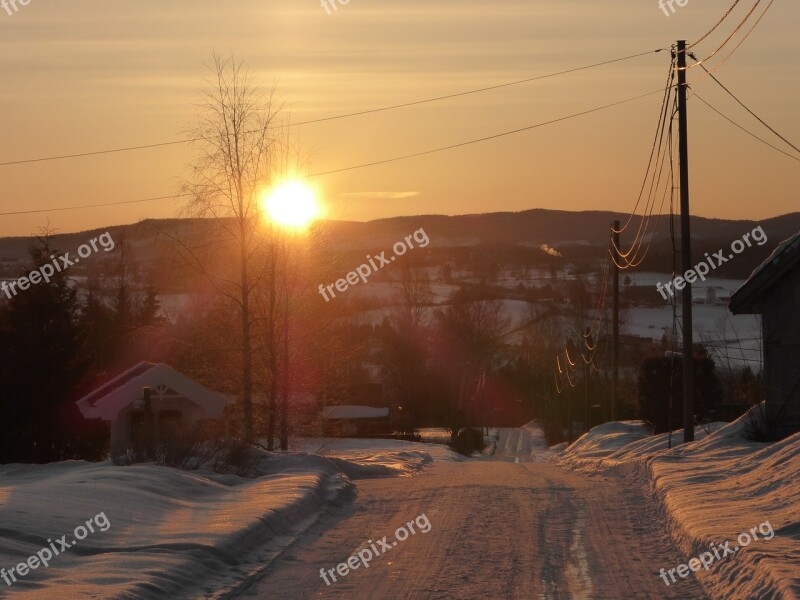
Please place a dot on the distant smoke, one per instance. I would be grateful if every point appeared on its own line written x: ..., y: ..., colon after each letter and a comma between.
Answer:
x: 550, y: 250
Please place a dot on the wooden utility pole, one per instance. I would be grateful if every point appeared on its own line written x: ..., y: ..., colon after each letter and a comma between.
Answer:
x: 586, y: 373
x: 286, y: 321
x: 285, y: 394
x: 568, y: 398
x: 615, y: 322
x: 686, y: 254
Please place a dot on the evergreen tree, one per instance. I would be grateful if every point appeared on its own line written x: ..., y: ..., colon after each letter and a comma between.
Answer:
x: 42, y: 367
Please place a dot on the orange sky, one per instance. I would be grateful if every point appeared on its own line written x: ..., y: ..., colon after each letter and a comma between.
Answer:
x: 86, y: 75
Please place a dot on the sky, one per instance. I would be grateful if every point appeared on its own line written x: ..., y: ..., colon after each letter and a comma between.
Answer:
x: 88, y: 75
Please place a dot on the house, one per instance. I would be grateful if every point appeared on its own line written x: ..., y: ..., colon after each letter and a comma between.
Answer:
x: 356, y: 421
x: 176, y: 402
x: 773, y: 291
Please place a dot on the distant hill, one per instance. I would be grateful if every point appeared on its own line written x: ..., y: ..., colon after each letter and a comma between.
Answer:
x: 554, y: 227
x: 578, y: 235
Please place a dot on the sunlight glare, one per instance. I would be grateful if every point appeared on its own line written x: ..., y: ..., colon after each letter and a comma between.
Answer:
x: 292, y: 204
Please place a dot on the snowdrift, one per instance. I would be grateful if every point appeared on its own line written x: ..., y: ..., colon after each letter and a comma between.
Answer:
x: 711, y: 490
x: 173, y: 533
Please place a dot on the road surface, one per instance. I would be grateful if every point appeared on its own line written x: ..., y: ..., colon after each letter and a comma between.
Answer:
x: 505, y: 527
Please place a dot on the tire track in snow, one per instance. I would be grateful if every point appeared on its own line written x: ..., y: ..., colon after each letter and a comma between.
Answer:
x: 499, y: 530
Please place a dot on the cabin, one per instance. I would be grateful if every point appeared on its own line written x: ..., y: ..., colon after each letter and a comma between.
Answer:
x: 176, y: 403
x: 773, y: 291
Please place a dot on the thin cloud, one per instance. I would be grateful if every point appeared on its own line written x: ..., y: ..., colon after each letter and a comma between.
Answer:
x: 380, y: 195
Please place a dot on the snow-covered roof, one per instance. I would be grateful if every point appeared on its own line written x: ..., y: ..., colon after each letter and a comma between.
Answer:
x: 109, y: 399
x: 783, y: 259
x: 354, y: 412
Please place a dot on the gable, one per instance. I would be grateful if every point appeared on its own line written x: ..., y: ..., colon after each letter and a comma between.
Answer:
x: 165, y: 382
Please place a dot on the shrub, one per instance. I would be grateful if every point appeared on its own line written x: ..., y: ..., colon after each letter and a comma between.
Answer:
x: 467, y: 441
x: 661, y: 378
x: 189, y: 451
x: 761, y: 424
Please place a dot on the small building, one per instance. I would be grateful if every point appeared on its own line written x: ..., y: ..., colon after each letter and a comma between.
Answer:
x: 356, y: 421
x: 773, y: 291
x: 176, y: 402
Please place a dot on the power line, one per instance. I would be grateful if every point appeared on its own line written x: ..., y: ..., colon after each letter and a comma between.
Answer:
x: 659, y: 130
x: 710, y: 31
x: 644, y: 225
x: 742, y: 104
x: 389, y: 160
x: 728, y: 39
x: 334, y: 117
x: 748, y: 132
x: 484, y: 139
x: 742, y: 41
x: 655, y: 183
x: 44, y: 210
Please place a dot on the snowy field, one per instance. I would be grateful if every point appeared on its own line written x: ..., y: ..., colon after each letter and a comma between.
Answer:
x: 734, y: 340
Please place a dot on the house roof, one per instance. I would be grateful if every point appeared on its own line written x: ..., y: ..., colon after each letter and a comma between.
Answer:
x: 354, y: 412
x: 747, y: 299
x: 109, y: 399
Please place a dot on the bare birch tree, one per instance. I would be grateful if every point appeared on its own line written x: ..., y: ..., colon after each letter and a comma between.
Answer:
x: 234, y: 164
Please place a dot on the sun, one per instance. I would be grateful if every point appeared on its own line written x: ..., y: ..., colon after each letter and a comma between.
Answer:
x: 292, y: 204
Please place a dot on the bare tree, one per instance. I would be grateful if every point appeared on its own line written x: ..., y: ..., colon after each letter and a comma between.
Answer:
x: 407, y: 348
x: 234, y: 164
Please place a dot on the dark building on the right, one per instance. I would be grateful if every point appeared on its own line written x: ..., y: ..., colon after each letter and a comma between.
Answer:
x: 773, y: 291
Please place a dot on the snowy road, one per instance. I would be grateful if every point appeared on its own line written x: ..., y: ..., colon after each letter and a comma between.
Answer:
x: 501, y: 528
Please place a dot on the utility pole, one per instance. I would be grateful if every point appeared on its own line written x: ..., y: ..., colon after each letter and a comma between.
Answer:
x: 568, y: 398
x: 686, y: 253
x: 586, y: 373
x: 615, y: 322
x: 285, y: 394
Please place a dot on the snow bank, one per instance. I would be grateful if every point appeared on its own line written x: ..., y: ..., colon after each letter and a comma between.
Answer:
x: 435, y: 435
x: 398, y: 453
x: 604, y: 440
x: 710, y: 491
x: 173, y: 534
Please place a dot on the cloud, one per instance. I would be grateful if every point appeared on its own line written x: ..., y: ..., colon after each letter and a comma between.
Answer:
x: 379, y: 195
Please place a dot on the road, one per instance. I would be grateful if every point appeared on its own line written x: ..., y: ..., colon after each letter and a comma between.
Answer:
x: 501, y: 528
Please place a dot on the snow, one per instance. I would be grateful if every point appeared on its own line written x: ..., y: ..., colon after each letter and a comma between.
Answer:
x: 522, y: 445
x: 734, y: 340
x: 710, y: 490
x: 435, y: 435
x: 376, y: 451
x: 504, y: 526
x: 180, y: 534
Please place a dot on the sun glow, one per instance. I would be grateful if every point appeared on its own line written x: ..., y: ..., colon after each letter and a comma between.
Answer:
x: 292, y: 204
